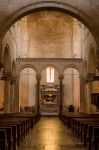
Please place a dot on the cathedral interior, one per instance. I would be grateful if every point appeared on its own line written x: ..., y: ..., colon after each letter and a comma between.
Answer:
x: 49, y: 75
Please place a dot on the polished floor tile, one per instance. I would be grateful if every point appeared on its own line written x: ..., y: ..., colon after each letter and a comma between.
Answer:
x: 50, y: 134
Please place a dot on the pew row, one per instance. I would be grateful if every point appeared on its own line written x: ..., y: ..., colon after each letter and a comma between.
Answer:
x: 15, y: 127
x: 85, y: 127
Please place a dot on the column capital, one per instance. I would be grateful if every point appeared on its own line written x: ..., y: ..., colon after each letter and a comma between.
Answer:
x: 38, y: 77
x: 7, y: 75
x: 61, y: 77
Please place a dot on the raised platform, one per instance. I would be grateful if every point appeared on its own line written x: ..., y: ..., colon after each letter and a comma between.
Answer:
x: 46, y: 114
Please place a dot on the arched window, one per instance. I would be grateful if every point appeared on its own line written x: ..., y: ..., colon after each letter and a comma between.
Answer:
x: 50, y: 74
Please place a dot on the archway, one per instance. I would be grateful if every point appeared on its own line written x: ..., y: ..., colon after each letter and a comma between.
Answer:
x: 43, y: 34
x: 49, y: 96
x: 41, y: 40
x: 71, y: 89
x: 50, y: 5
x: 27, y: 90
x: 7, y: 83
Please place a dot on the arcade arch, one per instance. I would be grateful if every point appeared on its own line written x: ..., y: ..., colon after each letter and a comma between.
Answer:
x: 72, y: 91
x: 27, y: 90
x: 47, y: 42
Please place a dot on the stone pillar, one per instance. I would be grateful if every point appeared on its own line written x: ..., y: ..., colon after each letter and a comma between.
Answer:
x: 82, y: 95
x: 12, y: 97
x: 88, y: 97
x: 9, y: 97
x: 7, y: 101
x: 38, y: 77
x: 1, y: 56
x: 61, y: 94
x: 16, y: 94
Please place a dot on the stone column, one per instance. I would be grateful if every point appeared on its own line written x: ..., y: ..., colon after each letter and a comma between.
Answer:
x: 61, y: 94
x: 38, y: 77
x: 82, y: 95
x: 16, y: 94
x: 12, y: 96
x: 7, y: 101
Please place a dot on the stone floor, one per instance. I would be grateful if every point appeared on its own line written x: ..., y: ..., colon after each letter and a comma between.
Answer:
x: 50, y: 134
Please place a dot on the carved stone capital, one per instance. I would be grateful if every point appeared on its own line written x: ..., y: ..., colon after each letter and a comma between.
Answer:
x: 61, y: 77
x: 38, y: 77
x: 92, y: 77
x: 7, y: 75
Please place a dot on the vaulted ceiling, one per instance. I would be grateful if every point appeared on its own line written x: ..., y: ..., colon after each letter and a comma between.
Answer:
x: 86, y: 11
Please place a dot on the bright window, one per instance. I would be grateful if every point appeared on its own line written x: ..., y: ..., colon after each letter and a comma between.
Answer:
x: 50, y: 74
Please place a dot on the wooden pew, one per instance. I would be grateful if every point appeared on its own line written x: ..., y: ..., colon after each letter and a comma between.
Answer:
x: 84, y: 129
x: 83, y: 126
x: 19, y: 125
x: 3, y: 140
x: 95, y: 140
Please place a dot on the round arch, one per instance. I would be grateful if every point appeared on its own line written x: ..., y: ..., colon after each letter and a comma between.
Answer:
x: 72, y: 66
x: 71, y: 88
x: 26, y: 66
x: 49, y: 65
x: 27, y: 89
x: 50, y: 5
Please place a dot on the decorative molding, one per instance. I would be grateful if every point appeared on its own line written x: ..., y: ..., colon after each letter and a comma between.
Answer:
x: 19, y: 60
x: 93, y: 76
x: 61, y: 77
x: 38, y: 77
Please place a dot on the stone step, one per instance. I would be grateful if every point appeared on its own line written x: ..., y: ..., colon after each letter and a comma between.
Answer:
x: 46, y: 114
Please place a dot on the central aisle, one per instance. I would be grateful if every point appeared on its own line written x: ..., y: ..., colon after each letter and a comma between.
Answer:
x: 50, y: 134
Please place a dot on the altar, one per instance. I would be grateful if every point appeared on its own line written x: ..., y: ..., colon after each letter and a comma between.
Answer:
x: 49, y: 98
